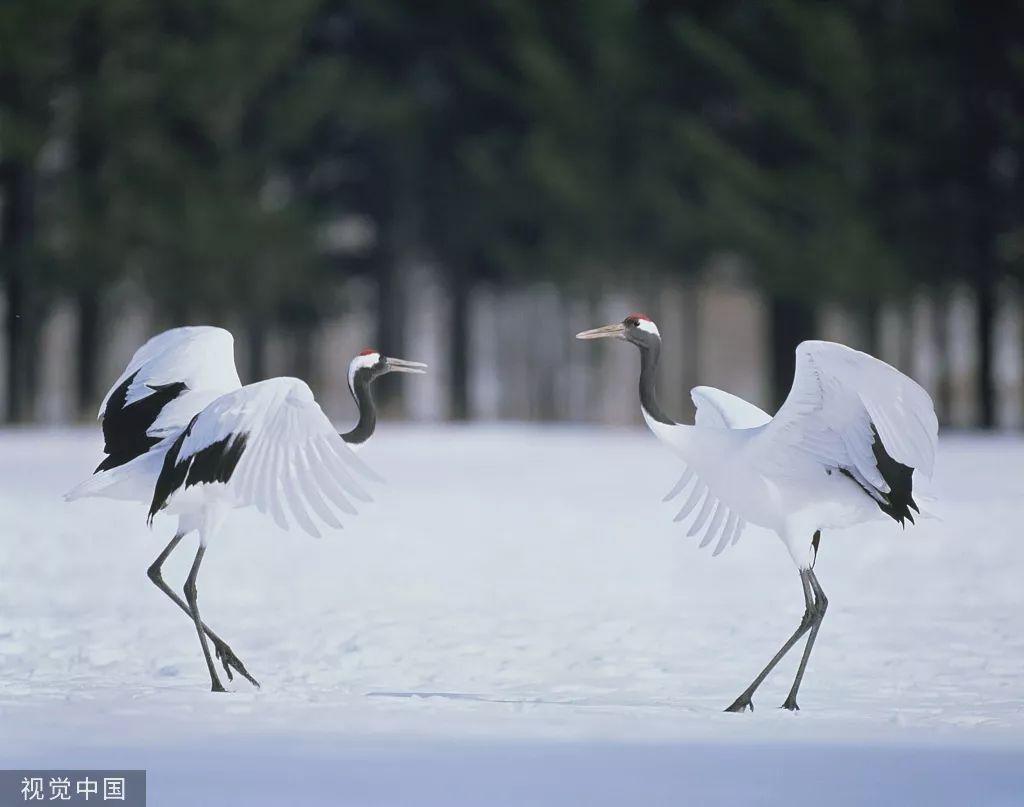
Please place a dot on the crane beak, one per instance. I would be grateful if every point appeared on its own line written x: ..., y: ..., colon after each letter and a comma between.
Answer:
x: 616, y: 331
x: 403, y: 366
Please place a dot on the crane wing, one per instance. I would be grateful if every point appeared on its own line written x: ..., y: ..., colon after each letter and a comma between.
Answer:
x: 270, y: 445
x: 855, y: 413
x: 722, y: 410
x: 847, y: 412
x: 168, y: 380
x: 707, y: 486
x: 718, y: 410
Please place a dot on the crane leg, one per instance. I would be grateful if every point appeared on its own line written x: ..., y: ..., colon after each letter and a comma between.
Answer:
x: 820, y: 606
x: 744, y: 701
x: 192, y: 596
x: 221, y: 649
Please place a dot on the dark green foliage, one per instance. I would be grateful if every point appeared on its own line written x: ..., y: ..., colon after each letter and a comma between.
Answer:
x: 235, y: 158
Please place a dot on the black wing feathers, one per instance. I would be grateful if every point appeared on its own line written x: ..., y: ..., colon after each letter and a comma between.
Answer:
x: 125, y: 427
x: 215, y: 463
x: 172, y: 475
x: 900, y: 479
x: 899, y: 501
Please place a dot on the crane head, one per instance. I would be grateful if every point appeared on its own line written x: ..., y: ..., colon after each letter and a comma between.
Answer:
x: 374, y: 365
x: 636, y: 328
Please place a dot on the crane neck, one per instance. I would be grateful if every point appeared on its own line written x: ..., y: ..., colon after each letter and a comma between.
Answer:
x: 363, y: 395
x: 649, y: 354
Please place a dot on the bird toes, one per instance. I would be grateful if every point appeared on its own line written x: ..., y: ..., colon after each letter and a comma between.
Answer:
x: 224, y: 664
x: 229, y: 660
x: 741, y: 704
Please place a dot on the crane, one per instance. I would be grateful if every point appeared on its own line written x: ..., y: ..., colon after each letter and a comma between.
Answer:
x: 841, y: 450
x: 183, y: 435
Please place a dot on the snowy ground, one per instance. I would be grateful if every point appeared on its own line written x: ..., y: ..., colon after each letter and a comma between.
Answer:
x: 516, y: 620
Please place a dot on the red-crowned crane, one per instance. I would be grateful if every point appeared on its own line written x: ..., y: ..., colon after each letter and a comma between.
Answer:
x: 185, y: 437
x: 841, y: 450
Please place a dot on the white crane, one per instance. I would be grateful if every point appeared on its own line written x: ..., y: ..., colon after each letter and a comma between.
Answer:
x: 185, y: 437
x: 841, y: 450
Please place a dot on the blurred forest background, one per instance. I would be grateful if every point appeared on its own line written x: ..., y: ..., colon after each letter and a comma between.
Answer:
x: 471, y: 183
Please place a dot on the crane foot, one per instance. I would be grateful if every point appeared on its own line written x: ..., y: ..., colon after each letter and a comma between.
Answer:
x: 741, y: 704
x: 229, y: 660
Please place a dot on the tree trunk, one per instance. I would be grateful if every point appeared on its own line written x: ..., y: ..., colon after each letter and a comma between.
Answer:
x: 256, y: 342
x: 984, y: 294
x: 943, y: 352
x: 93, y: 257
x: 690, y: 349
x: 458, y: 347
x: 391, y: 199
x: 16, y: 230
x: 303, y: 348
x: 390, y: 319
x: 792, y: 321
x: 982, y: 43
x: 87, y: 348
x: 869, y: 326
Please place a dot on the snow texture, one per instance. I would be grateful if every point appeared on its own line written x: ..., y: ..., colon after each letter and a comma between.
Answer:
x: 516, y: 620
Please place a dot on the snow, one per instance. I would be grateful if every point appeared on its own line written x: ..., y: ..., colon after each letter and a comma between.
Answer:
x: 516, y: 620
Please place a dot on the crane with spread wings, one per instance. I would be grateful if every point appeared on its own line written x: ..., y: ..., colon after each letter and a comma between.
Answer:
x: 843, y: 449
x: 182, y: 435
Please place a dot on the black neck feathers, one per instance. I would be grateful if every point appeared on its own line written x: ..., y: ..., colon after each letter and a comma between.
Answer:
x: 649, y: 352
x: 363, y: 394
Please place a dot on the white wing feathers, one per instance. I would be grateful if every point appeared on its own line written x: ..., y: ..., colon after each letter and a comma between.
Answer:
x: 722, y: 410
x: 840, y: 398
x: 291, y: 461
x: 714, y: 520
x: 838, y: 395
x: 200, y: 357
x: 716, y: 409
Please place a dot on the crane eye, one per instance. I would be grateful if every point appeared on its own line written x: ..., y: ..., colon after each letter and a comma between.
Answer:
x: 631, y: 322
